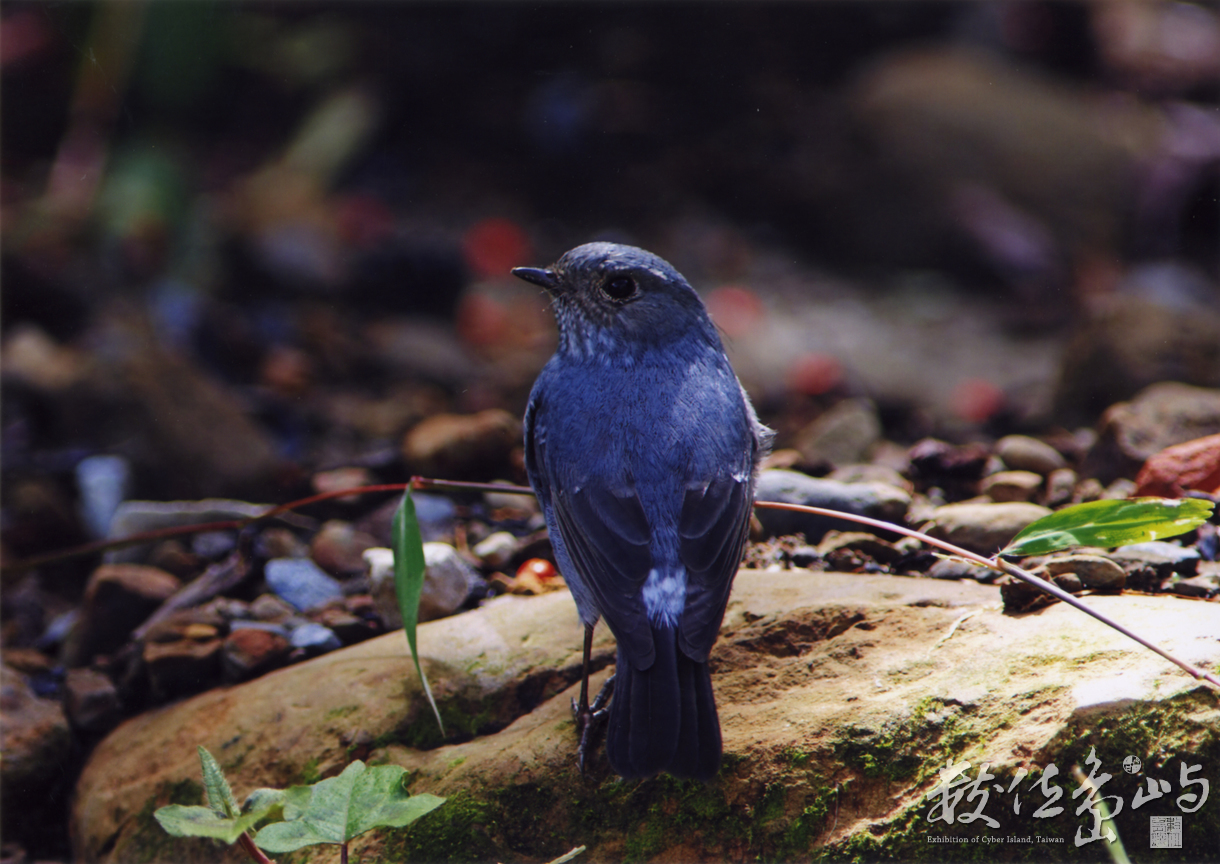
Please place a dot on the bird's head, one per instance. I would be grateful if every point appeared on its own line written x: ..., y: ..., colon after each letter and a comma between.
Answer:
x: 614, y: 298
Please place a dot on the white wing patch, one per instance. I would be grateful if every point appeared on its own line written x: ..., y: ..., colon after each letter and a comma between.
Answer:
x: 665, y: 595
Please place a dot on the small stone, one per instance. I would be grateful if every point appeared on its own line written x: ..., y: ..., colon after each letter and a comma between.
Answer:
x: 315, y: 639
x: 268, y: 607
x: 1088, y: 489
x: 338, y: 479
x: 859, y: 541
x: 1165, y: 558
x: 301, y: 582
x: 27, y: 661
x: 1120, y: 489
x: 1019, y: 596
x: 1180, y: 468
x: 183, y: 666
x: 957, y: 470
x: 497, y: 549
x: 1060, y: 486
x: 252, y: 651
x: 455, y: 446
x: 842, y: 435
x: 91, y: 701
x: 1022, y: 453
x: 1007, y: 486
x: 805, y: 556
x: 348, y: 627
x: 983, y: 528
x: 172, y: 557
x: 1093, y: 571
x: 869, y: 472
x: 1197, y: 586
x: 1069, y: 582
x: 448, y: 581
x: 279, y: 543
x: 102, y: 481
x: 118, y: 598
x: 878, y: 500
x: 338, y: 548
x: 955, y: 568
x: 214, y: 545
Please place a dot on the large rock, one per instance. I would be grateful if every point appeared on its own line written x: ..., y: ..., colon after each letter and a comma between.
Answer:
x: 35, y: 746
x: 877, y: 500
x: 981, y: 527
x: 840, y: 697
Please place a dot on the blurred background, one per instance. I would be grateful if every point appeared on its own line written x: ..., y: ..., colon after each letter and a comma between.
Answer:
x: 245, y: 243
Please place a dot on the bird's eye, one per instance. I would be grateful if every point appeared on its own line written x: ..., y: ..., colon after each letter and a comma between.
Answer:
x: 620, y: 288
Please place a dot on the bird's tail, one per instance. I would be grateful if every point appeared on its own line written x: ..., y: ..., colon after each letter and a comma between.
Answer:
x: 663, y: 718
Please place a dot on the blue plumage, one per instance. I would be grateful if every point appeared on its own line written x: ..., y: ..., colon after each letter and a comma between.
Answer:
x: 642, y: 448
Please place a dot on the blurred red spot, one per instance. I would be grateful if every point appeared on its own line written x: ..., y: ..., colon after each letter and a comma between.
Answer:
x: 814, y: 374
x: 364, y: 221
x: 481, y: 320
x: 493, y: 247
x: 539, y: 568
x: 977, y: 400
x: 736, y: 310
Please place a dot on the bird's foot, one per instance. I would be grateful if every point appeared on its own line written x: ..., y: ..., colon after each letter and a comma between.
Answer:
x: 590, y: 720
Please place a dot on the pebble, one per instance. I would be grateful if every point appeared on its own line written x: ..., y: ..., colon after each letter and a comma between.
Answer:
x: 1007, y: 486
x: 955, y: 568
x: 842, y: 435
x: 182, y: 655
x: 213, y: 545
x: 1164, y: 557
x: 348, y: 627
x: 102, y: 482
x: 1196, y: 586
x: 301, y: 583
x: 869, y: 472
x: 91, y: 701
x: 279, y: 543
x: 338, y: 479
x: 859, y: 541
x: 118, y: 598
x: 878, y: 500
x: 338, y: 548
x: 455, y: 446
x: 497, y: 549
x: 983, y: 528
x: 315, y: 639
x: 1023, y: 453
x: 448, y: 581
x: 1093, y: 571
x: 1060, y: 486
x: 252, y: 650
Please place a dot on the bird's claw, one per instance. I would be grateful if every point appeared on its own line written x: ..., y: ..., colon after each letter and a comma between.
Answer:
x: 590, y: 720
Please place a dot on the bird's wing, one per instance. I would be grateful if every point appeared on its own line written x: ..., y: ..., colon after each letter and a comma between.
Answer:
x: 603, y: 530
x: 711, y: 535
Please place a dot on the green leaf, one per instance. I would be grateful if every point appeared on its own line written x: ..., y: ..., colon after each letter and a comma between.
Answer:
x: 340, y: 808
x: 1110, y: 523
x: 409, y: 583
x: 198, y: 821
x: 220, y: 795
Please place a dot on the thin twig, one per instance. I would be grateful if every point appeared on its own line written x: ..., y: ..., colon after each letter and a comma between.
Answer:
x: 247, y: 844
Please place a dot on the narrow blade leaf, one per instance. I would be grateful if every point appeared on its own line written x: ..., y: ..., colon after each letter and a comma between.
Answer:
x: 1110, y: 523
x: 220, y: 795
x: 409, y: 583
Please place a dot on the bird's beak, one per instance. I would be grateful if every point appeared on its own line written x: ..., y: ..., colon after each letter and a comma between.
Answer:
x: 546, y: 278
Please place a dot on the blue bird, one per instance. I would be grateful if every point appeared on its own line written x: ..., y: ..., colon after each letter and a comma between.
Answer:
x: 643, y: 449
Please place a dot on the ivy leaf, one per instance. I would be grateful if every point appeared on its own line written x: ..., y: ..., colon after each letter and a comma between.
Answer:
x: 1110, y: 523
x: 409, y: 583
x: 340, y: 808
x: 221, y: 819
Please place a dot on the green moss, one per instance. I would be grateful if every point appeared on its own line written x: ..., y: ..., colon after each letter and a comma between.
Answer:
x: 342, y: 711
x: 794, y: 757
x: 422, y: 733
x: 309, y: 774
x: 458, y: 830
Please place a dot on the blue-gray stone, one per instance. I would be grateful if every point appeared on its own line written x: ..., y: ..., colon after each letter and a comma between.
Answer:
x: 1165, y: 558
x: 102, y: 483
x: 315, y: 638
x: 301, y: 582
x: 878, y: 500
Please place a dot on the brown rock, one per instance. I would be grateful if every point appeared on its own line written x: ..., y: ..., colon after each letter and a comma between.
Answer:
x: 118, y: 598
x: 842, y: 435
x: 1093, y: 571
x: 461, y: 445
x: 35, y: 746
x: 1022, y: 453
x: 1005, y: 486
x: 91, y: 701
x: 249, y: 652
x: 348, y: 627
x: 1160, y: 416
x: 1060, y: 486
x: 182, y: 653
x: 338, y: 548
x: 1190, y: 465
x: 874, y: 547
x: 983, y: 528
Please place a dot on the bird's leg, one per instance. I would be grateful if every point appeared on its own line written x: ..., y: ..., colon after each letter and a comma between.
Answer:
x: 589, y: 718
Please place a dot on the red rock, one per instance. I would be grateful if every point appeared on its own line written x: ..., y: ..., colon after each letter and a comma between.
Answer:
x: 250, y: 652
x: 1193, y: 465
